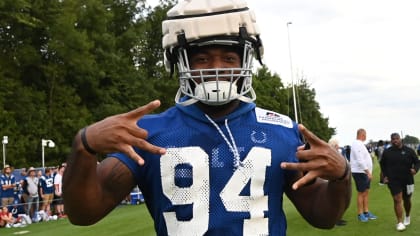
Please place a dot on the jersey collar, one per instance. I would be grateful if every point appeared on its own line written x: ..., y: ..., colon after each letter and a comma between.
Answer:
x: 197, y: 113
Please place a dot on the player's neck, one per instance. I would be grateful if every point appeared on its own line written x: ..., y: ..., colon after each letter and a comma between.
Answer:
x: 216, y: 112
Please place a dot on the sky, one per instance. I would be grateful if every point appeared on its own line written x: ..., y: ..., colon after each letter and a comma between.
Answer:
x: 361, y: 57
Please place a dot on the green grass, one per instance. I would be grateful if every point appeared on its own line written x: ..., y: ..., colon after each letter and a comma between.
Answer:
x: 131, y: 220
x: 380, y: 203
x: 134, y: 220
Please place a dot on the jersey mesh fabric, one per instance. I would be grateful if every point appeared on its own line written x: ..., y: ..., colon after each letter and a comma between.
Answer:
x: 203, y: 170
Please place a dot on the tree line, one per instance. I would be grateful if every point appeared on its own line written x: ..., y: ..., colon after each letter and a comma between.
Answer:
x: 66, y: 64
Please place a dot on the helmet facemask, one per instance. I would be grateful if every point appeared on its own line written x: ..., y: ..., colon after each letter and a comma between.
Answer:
x: 215, y: 86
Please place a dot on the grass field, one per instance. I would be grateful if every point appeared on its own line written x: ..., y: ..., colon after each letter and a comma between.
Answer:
x: 135, y: 220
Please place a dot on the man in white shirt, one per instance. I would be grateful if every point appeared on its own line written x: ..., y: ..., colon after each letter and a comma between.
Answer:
x: 361, y: 169
x: 58, y: 192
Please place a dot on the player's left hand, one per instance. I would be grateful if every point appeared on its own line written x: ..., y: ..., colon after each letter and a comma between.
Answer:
x: 321, y: 160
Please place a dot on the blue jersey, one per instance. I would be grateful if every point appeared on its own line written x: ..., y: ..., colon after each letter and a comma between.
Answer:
x: 47, y: 184
x: 200, y: 188
x: 7, y: 180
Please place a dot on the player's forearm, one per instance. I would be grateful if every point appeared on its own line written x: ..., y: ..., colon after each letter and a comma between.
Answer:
x: 322, y: 203
x: 340, y: 193
x: 81, y: 184
x: 333, y: 197
x: 8, y: 186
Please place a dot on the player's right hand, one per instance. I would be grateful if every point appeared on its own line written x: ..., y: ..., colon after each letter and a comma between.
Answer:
x: 120, y: 133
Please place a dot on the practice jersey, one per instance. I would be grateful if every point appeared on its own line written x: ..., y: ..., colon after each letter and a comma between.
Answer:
x: 199, y: 188
x: 7, y: 180
x: 47, y: 184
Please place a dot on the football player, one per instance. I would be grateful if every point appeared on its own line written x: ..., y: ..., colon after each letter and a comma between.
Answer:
x: 215, y: 163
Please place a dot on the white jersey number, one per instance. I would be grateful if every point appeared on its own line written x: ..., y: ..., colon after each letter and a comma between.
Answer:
x: 252, y: 170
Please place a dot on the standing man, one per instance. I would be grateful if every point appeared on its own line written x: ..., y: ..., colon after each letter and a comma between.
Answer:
x: 214, y: 164
x: 361, y: 169
x: 399, y: 164
x: 30, y: 187
x: 58, y: 191
x: 47, y: 191
x: 7, y: 184
x: 379, y: 151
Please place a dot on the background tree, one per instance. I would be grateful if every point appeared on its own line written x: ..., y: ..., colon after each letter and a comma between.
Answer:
x: 271, y: 93
x: 411, y: 140
x: 66, y: 64
x: 309, y: 111
x: 155, y: 82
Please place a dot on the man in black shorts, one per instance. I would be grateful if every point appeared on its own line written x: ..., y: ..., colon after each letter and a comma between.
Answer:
x: 361, y: 169
x: 399, y: 164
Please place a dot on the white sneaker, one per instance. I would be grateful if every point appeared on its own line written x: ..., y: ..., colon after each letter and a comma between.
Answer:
x: 400, y: 226
x: 407, y: 221
x: 15, y: 225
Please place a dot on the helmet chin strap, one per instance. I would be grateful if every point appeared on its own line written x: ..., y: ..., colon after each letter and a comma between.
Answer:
x: 250, y: 99
x: 187, y: 102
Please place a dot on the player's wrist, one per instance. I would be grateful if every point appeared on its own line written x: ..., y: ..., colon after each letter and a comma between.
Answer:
x: 80, y: 143
x: 85, y: 143
x: 345, y: 175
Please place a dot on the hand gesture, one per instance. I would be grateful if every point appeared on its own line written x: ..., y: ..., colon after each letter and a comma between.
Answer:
x: 321, y: 160
x: 119, y: 133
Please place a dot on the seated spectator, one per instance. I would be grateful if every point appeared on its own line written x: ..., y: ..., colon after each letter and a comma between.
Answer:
x: 2, y: 222
x: 6, y: 218
x: 19, y: 213
x: 17, y: 209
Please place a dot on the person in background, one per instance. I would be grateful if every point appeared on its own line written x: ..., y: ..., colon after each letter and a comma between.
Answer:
x: 347, y: 150
x: 2, y: 222
x: 387, y: 144
x: 47, y: 191
x: 39, y: 175
x: 30, y: 187
x: 23, y: 173
x: 23, y: 196
x: 399, y: 164
x: 214, y: 164
x: 8, y: 185
x: 335, y: 144
x: 361, y: 169
x: 58, y: 192
x: 418, y: 150
x: 378, y: 152
x: 7, y: 219
x: 19, y: 213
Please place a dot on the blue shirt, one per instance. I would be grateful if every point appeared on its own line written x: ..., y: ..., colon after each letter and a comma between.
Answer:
x: 47, y: 184
x: 199, y: 188
x: 7, y: 180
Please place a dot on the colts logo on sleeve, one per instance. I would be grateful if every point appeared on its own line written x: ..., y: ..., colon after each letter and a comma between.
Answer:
x: 270, y: 117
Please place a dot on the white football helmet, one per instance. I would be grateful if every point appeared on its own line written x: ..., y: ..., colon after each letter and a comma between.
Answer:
x: 197, y: 23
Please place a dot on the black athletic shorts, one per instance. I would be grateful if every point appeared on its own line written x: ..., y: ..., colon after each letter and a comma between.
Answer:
x: 396, y: 187
x: 362, y: 181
